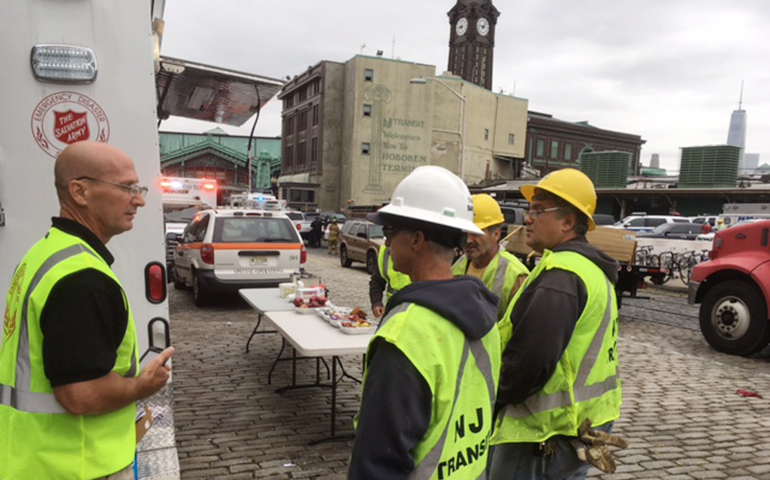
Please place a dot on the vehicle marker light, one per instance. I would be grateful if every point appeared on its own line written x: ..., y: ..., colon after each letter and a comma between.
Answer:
x: 155, y: 282
x: 303, y: 255
x: 63, y: 63
x: 207, y: 254
x: 209, y: 186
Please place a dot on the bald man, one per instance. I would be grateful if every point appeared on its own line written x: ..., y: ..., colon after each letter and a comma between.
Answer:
x: 69, y: 377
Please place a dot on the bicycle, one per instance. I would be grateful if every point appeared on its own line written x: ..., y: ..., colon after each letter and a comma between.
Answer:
x: 643, y: 255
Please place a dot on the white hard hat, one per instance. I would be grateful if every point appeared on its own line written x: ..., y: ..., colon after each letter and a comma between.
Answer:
x: 433, y: 194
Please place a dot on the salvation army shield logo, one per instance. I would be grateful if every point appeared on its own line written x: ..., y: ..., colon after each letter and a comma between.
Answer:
x: 63, y: 118
x: 70, y: 127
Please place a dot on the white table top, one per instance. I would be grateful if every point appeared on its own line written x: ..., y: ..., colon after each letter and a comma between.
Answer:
x: 266, y: 300
x: 312, y: 336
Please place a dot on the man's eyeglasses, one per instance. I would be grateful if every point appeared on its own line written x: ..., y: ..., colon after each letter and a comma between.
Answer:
x: 133, y: 190
x: 390, y: 231
x: 533, y: 214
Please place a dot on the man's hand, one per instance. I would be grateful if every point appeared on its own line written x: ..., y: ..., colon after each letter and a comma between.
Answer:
x: 154, y: 376
x: 378, y: 311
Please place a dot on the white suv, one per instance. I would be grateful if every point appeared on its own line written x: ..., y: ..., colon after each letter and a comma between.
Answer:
x: 228, y: 249
x: 646, y: 223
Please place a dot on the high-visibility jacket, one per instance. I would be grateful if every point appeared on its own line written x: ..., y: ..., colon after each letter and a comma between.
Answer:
x: 462, y: 375
x: 38, y: 438
x: 586, y: 382
x: 395, y: 280
x: 499, y: 277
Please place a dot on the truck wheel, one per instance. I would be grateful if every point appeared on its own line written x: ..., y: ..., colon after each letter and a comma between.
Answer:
x: 344, y: 260
x: 733, y: 318
x: 200, y: 294
x: 371, y: 262
x: 178, y: 282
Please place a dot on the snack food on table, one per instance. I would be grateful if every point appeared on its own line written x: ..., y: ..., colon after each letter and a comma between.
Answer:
x: 313, y: 302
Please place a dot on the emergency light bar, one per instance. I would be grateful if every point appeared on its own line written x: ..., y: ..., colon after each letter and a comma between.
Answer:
x: 63, y: 64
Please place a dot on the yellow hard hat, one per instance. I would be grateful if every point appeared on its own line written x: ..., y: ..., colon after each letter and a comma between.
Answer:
x: 571, y: 185
x: 486, y: 211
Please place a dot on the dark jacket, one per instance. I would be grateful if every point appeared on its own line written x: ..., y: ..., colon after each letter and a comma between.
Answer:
x: 543, y: 319
x: 397, y: 403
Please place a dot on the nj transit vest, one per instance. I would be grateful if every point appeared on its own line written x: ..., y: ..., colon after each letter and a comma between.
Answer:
x: 462, y: 375
x: 38, y: 438
x: 499, y: 277
x: 395, y: 280
x: 586, y: 382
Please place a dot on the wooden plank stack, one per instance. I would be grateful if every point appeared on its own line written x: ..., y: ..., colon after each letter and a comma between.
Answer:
x: 617, y: 243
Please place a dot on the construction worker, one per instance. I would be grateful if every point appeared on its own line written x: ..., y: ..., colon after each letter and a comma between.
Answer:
x: 69, y: 375
x: 720, y: 224
x: 432, y: 367
x: 386, y: 279
x: 559, y: 338
x: 485, y: 259
x: 334, y: 232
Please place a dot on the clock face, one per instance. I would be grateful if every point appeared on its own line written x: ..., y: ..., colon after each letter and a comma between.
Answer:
x: 462, y: 26
x: 482, y: 26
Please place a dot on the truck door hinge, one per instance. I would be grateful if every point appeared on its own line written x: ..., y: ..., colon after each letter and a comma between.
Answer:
x: 2, y: 216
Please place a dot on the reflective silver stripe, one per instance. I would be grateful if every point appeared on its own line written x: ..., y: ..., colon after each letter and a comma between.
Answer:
x: 429, y: 464
x: 431, y: 461
x: 23, y: 369
x: 399, y: 309
x: 543, y: 403
x: 30, y: 402
x: 502, y: 269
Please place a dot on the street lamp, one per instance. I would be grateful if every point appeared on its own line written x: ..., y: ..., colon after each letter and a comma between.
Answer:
x: 423, y: 81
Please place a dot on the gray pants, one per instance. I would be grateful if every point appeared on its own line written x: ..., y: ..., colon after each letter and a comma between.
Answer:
x: 524, y: 461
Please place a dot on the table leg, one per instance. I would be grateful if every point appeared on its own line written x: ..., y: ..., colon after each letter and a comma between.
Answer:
x: 280, y: 352
x: 255, y: 332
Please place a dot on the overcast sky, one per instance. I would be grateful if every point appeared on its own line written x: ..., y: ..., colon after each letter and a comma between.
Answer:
x: 668, y: 70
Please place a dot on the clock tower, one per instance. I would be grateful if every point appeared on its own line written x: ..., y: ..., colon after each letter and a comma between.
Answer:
x: 472, y: 40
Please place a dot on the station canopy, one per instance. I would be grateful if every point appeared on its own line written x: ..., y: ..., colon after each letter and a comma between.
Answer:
x: 213, y: 94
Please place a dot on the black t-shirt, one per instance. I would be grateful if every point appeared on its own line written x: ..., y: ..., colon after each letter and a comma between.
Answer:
x: 84, y: 319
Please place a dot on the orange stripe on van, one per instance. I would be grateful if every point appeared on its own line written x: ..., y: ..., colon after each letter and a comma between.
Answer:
x: 244, y: 246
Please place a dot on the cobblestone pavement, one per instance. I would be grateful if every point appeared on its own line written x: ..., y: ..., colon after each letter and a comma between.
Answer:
x: 681, y: 412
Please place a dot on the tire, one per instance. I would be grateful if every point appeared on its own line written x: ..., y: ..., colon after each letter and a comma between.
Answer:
x: 733, y: 318
x: 178, y: 283
x: 371, y: 262
x: 200, y: 294
x: 344, y: 260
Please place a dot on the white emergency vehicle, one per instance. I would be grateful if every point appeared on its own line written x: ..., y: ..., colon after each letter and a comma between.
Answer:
x: 733, y: 213
x: 91, y: 70
x: 178, y: 193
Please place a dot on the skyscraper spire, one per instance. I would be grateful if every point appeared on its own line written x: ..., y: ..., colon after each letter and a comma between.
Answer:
x: 740, y: 100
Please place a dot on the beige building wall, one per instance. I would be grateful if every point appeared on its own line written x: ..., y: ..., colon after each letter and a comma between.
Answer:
x: 396, y: 133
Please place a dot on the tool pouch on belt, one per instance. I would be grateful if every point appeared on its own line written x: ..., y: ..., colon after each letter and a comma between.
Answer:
x: 592, y: 446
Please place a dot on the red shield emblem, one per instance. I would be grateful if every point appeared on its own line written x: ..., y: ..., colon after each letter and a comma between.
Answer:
x: 70, y: 127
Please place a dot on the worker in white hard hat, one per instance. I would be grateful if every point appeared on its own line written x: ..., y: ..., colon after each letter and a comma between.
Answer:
x: 432, y: 367
x: 501, y: 272
x: 559, y: 389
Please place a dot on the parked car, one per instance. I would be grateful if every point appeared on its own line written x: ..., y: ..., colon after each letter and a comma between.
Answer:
x: 733, y: 290
x: 327, y: 216
x: 711, y: 220
x: 228, y: 249
x: 646, y: 223
x: 301, y: 223
x: 603, y: 219
x: 678, y: 231
x: 360, y: 241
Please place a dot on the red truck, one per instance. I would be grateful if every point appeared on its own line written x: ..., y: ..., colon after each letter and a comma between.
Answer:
x: 734, y: 290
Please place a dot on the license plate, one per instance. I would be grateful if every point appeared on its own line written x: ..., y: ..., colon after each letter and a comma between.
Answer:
x: 254, y: 261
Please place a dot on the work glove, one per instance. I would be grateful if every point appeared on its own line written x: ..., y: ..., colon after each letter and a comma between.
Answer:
x: 592, y: 446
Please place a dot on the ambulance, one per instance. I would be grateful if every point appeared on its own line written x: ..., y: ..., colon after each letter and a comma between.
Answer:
x: 91, y: 70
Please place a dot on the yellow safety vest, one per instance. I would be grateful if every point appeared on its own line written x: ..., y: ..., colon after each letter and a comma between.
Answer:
x: 38, y: 438
x: 499, y: 277
x: 462, y: 375
x: 395, y: 280
x: 586, y: 382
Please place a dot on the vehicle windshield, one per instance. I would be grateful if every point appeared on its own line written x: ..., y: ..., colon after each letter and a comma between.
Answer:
x: 254, y: 230
x: 661, y: 228
x: 375, y: 231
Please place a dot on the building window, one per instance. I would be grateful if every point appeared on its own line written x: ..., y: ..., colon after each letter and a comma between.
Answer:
x: 289, y: 101
x: 367, y: 110
x: 486, y: 134
x: 301, y: 154
x: 555, y: 149
x: 368, y: 75
x: 511, y: 138
x: 289, y: 156
x: 365, y: 148
x: 297, y: 195
x: 289, y: 125
x: 567, y: 151
x: 315, y: 115
x: 303, y: 121
x: 314, y: 150
x: 540, y: 148
x: 303, y: 93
